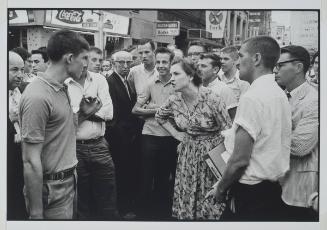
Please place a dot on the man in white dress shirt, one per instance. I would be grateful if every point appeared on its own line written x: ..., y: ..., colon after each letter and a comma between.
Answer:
x: 95, y: 169
x: 262, y: 127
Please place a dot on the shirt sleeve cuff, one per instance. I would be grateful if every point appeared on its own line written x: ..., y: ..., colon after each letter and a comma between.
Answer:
x: 247, y: 127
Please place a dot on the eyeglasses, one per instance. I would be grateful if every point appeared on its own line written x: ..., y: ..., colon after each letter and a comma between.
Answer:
x: 128, y: 63
x: 280, y: 64
x: 195, y: 54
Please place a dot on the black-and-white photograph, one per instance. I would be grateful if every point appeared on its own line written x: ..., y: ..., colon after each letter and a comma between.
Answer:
x: 163, y: 115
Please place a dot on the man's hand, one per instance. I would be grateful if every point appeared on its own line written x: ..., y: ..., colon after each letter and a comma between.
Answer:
x: 89, y: 107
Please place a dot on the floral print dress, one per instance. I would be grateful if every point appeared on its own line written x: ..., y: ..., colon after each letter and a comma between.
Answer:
x: 202, y: 125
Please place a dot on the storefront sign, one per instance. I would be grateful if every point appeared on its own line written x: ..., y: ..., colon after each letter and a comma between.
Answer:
x: 17, y: 16
x: 70, y: 16
x: 168, y: 28
x: 215, y: 23
x: 83, y: 19
x: 114, y: 23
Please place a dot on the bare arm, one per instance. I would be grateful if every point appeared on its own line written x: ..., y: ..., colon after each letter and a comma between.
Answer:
x: 140, y: 110
x: 237, y: 163
x: 33, y: 177
x: 176, y: 134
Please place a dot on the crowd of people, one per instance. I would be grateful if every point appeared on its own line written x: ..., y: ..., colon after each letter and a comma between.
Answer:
x: 124, y: 137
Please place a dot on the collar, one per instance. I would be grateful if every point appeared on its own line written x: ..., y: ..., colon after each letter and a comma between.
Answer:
x: 157, y: 80
x: 297, y: 89
x: 263, y: 79
x: 53, y: 84
x: 14, y: 91
x: 226, y: 80
x: 121, y: 77
x: 89, y: 78
x: 214, y: 82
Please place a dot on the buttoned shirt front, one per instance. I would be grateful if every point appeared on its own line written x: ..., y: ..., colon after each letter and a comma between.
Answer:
x: 14, y: 99
x: 238, y: 86
x: 265, y: 114
x: 95, y: 86
x: 156, y: 92
x: 139, y: 77
x: 224, y: 92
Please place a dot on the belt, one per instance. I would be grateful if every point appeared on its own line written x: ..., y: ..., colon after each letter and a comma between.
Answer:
x: 89, y: 141
x: 64, y: 174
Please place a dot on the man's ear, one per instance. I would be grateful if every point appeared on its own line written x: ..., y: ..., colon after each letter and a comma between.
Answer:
x: 68, y: 58
x: 257, y: 58
x: 299, y: 67
x: 216, y: 70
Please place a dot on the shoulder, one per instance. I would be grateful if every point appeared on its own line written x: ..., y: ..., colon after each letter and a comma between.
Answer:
x: 98, y: 78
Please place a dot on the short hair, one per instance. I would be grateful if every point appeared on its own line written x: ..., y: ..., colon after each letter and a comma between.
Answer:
x: 164, y: 50
x: 198, y: 43
x: 300, y: 53
x: 189, y: 70
x: 130, y: 48
x: 232, y: 51
x: 65, y: 41
x: 22, y: 52
x: 215, y: 59
x: 43, y: 52
x: 95, y: 50
x: 144, y: 41
x: 316, y: 54
x: 268, y: 48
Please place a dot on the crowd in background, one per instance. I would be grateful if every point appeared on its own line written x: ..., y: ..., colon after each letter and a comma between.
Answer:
x: 123, y: 137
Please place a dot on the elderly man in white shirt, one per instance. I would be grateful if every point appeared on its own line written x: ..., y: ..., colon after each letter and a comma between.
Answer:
x: 95, y: 169
x: 262, y: 137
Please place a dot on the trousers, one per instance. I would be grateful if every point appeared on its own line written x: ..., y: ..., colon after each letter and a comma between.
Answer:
x: 158, y: 167
x: 96, y: 182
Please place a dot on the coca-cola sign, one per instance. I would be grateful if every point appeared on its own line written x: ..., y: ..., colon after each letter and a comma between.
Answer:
x: 70, y: 16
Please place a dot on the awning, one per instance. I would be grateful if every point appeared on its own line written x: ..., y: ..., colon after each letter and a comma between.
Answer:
x: 77, y: 31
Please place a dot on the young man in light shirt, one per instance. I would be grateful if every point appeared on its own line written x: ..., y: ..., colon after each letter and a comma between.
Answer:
x: 96, y: 172
x: 158, y: 146
x: 230, y: 73
x: 262, y: 126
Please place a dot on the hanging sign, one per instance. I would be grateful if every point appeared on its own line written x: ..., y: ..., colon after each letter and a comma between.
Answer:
x: 168, y: 28
x: 215, y: 23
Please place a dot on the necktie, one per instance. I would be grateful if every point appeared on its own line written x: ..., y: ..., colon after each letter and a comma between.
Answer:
x: 288, y: 94
x: 127, y: 88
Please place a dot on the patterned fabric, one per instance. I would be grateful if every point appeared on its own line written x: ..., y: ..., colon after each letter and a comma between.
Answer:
x: 303, y: 174
x: 14, y: 98
x: 202, y: 126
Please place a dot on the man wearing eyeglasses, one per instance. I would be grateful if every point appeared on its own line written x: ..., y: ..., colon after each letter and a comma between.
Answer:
x: 194, y: 52
x: 300, y: 184
x: 121, y: 133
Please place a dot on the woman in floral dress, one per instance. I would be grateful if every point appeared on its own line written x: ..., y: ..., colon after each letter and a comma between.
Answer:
x: 200, y: 115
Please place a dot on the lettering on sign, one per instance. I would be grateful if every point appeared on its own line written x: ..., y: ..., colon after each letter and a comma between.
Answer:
x: 168, y: 28
x: 70, y: 16
x: 107, y: 24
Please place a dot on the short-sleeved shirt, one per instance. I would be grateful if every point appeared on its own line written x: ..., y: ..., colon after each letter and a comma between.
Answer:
x: 238, y: 86
x: 155, y: 92
x: 265, y: 114
x: 226, y: 93
x: 46, y: 117
x: 139, y: 77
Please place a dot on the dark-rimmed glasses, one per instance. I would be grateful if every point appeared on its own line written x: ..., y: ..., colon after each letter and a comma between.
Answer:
x: 280, y: 64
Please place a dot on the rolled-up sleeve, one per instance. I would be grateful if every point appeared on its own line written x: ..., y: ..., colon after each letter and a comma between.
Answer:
x: 106, y: 111
x: 248, y: 117
x: 229, y: 97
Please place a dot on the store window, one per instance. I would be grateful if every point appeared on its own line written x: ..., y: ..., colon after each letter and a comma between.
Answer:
x: 113, y: 44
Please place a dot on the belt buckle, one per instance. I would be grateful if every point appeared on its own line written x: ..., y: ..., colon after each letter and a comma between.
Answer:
x: 62, y: 176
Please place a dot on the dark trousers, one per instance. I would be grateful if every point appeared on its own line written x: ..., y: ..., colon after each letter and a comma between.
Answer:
x: 259, y: 202
x: 16, y: 209
x: 158, y: 166
x: 125, y: 153
x: 96, y: 184
x: 293, y: 213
